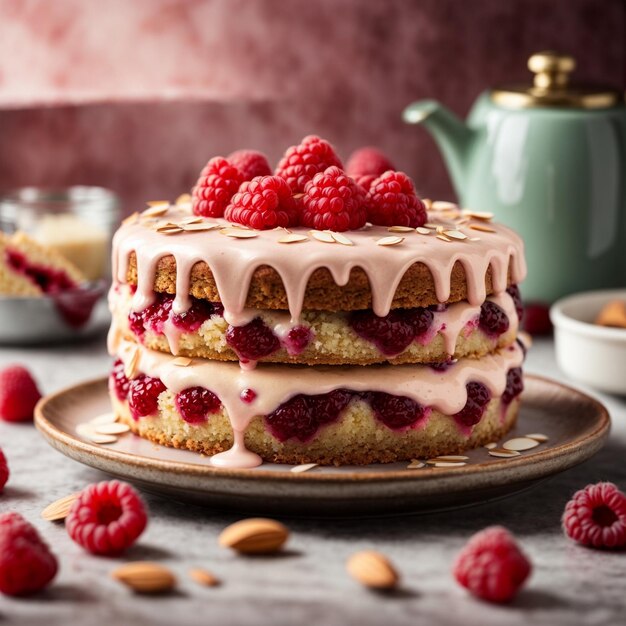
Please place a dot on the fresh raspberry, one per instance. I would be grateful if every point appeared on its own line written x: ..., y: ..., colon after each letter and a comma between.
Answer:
x: 300, y: 163
x: 26, y: 563
x: 396, y: 412
x: 107, y: 517
x: 4, y: 471
x: 218, y: 183
x: 493, y: 320
x: 392, y: 201
x: 537, y: 319
x: 365, y: 180
x: 18, y: 394
x: 333, y: 201
x: 478, y: 397
x: 368, y: 160
x: 262, y: 203
x: 596, y: 517
x: 196, y: 403
x: 492, y: 566
x: 143, y: 395
x: 250, y: 163
x: 119, y: 380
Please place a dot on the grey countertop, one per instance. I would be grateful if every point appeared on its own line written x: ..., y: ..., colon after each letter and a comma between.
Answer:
x: 308, y: 584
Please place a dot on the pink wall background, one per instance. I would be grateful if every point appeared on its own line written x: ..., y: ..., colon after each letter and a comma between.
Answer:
x: 138, y: 95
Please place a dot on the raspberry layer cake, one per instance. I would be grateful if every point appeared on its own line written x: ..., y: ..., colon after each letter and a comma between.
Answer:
x: 314, y: 315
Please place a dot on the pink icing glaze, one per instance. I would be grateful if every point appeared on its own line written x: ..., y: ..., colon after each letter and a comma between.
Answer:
x: 233, y: 262
x: 275, y: 384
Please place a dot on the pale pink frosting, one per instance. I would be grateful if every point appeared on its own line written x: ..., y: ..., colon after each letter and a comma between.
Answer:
x: 233, y: 262
x: 275, y: 384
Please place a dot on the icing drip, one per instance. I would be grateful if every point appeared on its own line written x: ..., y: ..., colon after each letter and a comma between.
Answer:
x: 275, y: 384
x: 234, y: 261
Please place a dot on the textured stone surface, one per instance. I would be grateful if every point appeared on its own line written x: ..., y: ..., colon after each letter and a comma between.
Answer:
x: 570, y: 585
x: 138, y: 95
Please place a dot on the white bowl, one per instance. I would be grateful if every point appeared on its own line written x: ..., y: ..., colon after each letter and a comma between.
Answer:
x: 595, y: 355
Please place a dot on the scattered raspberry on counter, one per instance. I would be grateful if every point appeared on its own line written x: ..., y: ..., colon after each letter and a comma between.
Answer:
x: 107, y: 517
x: 333, y: 201
x: 18, y: 394
x: 300, y: 163
x: 250, y: 163
x: 26, y: 563
x: 596, y: 517
x: 217, y: 184
x: 392, y: 202
x: 4, y: 471
x: 491, y: 566
x: 264, y: 202
x: 368, y: 161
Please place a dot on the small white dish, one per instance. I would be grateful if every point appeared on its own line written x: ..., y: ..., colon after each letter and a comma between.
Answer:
x: 595, y: 355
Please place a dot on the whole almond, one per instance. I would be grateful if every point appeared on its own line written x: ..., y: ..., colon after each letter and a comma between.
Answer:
x: 372, y: 569
x: 60, y: 508
x: 145, y: 577
x: 256, y: 535
x: 203, y: 577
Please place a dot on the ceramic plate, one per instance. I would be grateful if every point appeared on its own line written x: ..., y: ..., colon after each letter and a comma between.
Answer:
x: 576, y: 425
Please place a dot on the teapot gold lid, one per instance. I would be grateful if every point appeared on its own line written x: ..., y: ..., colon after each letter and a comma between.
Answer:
x: 551, y: 87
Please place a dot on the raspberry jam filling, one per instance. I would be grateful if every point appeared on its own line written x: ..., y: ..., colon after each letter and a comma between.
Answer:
x: 50, y: 280
x: 396, y: 331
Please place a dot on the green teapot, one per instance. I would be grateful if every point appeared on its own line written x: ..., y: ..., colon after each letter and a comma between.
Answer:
x: 549, y: 160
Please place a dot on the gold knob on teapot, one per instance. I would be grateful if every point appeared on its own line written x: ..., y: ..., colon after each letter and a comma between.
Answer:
x: 551, y: 69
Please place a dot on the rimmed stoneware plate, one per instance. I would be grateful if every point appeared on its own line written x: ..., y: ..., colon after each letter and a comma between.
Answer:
x: 576, y: 424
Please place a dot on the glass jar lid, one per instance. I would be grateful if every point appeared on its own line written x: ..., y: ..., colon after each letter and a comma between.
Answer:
x: 551, y: 87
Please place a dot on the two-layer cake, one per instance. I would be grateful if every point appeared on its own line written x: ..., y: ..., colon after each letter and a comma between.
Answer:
x: 271, y: 320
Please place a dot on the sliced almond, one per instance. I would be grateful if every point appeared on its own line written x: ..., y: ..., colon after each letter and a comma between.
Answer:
x: 182, y: 361
x: 423, y: 231
x: 204, y: 226
x: 256, y: 535
x: 455, y: 234
x: 145, y: 577
x: 450, y: 457
x: 156, y: 211
x: 192, y: 219
x: 491, y: 445
x: 105, y: 418
x: 305, y: 467
x: 482, y: 228
x: 86, y: 430
x: 447, y: 463
x: 443, y: 205
x: 322, y: 235
x: 428, y: 203
x: 152, y: 203
x: 373, y: 570
x: 540, y: 437
x: 293, y: 238
x: 478, y: 215
x: 132, y: 365
x: 184, y: 198
x: 101, y: 439
x: 112, y: 429
x: 203, y: 577
x: 400, y: 229
x: 444, y: 238
x: 60, y: 508
x: 342, y: 239
x: 170, y: 230
x: 238, y: 233
x: 390, y: 241
x: 431, y: 226
x: 520, y: 444
x: 504, y: 454
x: 416, y: 464
x: 474, y: 239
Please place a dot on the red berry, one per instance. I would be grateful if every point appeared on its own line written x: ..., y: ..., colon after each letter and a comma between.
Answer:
x: 478, y: 397
x: 143, y: 395
x: 218, y: 183
x: 493, y: 320
x: 365, y: 180
x: 262, y: 203
x: 107, y: 517
x: 514, y: 385
x: 368, y: 161
x: 596, y: 517
x: 26, y: 563
x: 196, y: 403
x: 396, y: 412
x: 250, y: 163
x: 253, y: 341
x: 4, y: 471
x: 333, y: 201
x: 392, y: 201
x: 18, y: 394
x: 537, y: 319
x: 119, y: 381
x: 300, y: 163
x: 491, y: 565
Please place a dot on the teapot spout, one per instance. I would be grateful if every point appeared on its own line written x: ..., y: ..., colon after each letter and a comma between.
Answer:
x: 452, y: 135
